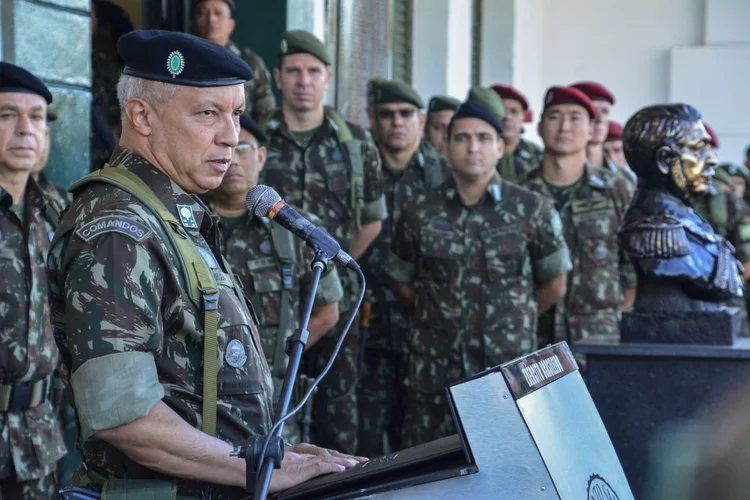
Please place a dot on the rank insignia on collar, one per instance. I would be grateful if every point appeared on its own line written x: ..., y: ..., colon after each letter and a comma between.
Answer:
x: 187, y: 218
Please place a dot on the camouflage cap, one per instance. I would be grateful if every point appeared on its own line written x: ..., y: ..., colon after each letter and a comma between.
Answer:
x: 372, y: 88
x: 487, y: 98
x: 304, y: 42
x: 443, y: 103
x: 734, y: 170
x: 388, y: 91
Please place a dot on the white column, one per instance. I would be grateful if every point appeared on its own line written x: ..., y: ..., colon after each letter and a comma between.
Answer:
x: 459, y: 48
x: 499, y: 32
x: 441, y: 53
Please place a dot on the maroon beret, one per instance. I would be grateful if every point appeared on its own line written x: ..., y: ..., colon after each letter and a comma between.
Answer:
x: 568, y: 95
x: 508, y: 92
x: 528, y: 116
x: 615, y: 132
x: 712, y: 133
x: 595, y: 91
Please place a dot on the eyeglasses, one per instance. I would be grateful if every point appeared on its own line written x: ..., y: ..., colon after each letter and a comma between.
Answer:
x: 244, y: 148
x: 390, y: 114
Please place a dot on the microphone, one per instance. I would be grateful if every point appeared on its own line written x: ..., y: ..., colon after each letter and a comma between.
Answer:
x: 263, y: 201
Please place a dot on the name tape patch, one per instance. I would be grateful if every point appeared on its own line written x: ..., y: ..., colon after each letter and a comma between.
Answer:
x: 134, y: 230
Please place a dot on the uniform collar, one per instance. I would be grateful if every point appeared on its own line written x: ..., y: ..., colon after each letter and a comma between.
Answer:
x: 493, y: 193
x: 187, y: 209
x: 33, y: 195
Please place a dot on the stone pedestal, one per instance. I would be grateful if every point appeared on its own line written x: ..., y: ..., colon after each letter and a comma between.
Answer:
x: 639, y: 387
x: 705, y: 327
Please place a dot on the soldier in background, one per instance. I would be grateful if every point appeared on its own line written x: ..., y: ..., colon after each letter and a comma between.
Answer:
x: 330, y: 168
x: 214, y: 20
x: 56, y: 194
x: 614, y: 152
x: 592, y: 203
x: 31, y: 442
x: 739, y: 175
x: 440, y: 110
x: 272, y: 264
x: 602, y: 99
x: 476, y: 259
x: 520, y: 155
x: 410, y: 167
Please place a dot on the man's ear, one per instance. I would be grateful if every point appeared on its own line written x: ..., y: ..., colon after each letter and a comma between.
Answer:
x: 140, y: 114
x: 664, y: 159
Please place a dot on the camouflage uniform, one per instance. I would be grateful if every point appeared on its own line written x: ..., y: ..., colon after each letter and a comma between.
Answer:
x: 31, y: 441
x: 259, y: 98
x: 129, y: 333
x: 385, y: 360
x: 625, y: 173
x: 317, y: 178
x: 474, y: 270
x: 252, y: 249
x: 730, y: 218
x: 56, y: 194
x: 526, y: 157
x: 105, y: 73
x: 591, y: 218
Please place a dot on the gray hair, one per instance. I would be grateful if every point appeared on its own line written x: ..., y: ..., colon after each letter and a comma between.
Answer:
x: 157, y: 94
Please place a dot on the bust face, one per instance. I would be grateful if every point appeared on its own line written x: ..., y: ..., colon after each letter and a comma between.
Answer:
x: 693, y: 168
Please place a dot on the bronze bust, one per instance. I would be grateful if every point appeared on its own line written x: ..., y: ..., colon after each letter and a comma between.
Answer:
x: 682, y: 264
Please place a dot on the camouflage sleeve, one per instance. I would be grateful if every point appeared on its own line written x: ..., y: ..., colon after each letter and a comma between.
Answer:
x: 549, y: 252
x: 623, y: 193
x: 374, y: 209
x: 329, y: 288
x: 263, y: 98
x: 112, y: 298
x: 739, y: 234
x: 401, y: 262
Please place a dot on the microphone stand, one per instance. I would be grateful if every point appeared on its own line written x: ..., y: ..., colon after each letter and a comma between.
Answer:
x: 253, y: 453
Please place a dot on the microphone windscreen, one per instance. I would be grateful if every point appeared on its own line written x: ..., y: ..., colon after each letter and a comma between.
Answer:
x: 260, y: 199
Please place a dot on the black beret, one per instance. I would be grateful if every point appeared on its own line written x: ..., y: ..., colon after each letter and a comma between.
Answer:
x: 390, y: 91
x: 249, y: 124
x: 16, y: 79
x: 443, y: 103
x: 475, y: 109
x: 304, y: 42
x: 180, y: 59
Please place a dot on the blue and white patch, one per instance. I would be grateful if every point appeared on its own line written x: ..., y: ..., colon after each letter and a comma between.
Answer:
x: 208, y: 257
x: 556, y: 224
x: 496, y: 192
x: 113, y: 224
x: 266, y: 247
x: 600, y: 252
x: 235, y: 354
x: 50, y: 235
x: 337, y: 155
x: 441, y: 224
x: 187, y: 217
x: 597, y: 182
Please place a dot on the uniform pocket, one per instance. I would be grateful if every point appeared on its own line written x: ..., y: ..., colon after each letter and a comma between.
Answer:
x: 504, y: 254
x: 46, y: 438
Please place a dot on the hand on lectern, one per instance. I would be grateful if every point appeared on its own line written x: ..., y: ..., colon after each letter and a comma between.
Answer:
x: 306, y: 461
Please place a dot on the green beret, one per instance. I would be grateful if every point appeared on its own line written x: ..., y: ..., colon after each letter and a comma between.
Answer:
x: 372, y: 88
x: 734, y: 170
x: 304, y: 42
x: 388, y: 91
x: 488, y: 98
x: 443, y: 103
x: 723, y: 177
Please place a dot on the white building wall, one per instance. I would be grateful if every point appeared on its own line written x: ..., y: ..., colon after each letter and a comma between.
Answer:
x: 645, y: 51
